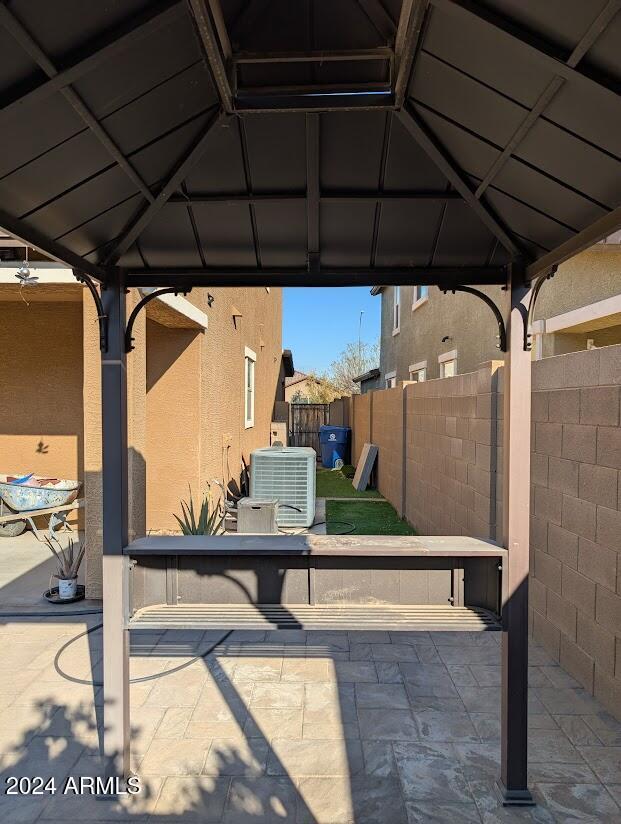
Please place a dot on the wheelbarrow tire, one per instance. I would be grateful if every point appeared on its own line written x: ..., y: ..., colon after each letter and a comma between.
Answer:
x: 12, y: 529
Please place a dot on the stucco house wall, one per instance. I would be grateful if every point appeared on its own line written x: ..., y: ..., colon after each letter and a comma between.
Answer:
x: 186, y: 423
x: 471, y: 329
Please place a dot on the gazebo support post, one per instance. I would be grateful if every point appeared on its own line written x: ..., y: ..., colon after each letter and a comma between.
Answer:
x: 115, y: 535
x: 513, y: 783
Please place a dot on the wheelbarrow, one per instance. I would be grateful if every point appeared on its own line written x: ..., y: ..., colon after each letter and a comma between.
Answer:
x: 23, y: 497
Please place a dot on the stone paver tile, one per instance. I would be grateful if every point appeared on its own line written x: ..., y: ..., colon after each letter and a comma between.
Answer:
x: 492, y: 811
x: 306, y: 669
x: 606, y: 727
x: 487, y: 655
x: 427, y: 654
x: 487, y: 699
x: 541, y: 721
x: 411, y: 637
x: 44, y: 756
x: 551, y: 745
x: 236, y: 757
x: 479, y: 760
x: 445, y: 726
x: 108, y: 807
x: 487, y: 725
x: 330, y: 730
x: 431, y: 772
x: 179, y: 757
x: 329, y: 703
x: 538, y: 657
x: 257, y: 669
x: 280, y: 694
x: 264, y: 800
x: 205, y: 730
x: 272, y: 722
x: 331, y: 639
x: 372, y: 636
x: 286, y: 636
x: 537, y: 677
x: 393, y: 652
x: 428, y: 679
x: 167, y: 693
x: 561, y: 774
x: 360, y: 652
x: 487, y: 676
x: 387, y: 725
x: 192, y: 798
x: 435, y: 702
x: 319, y: 758
x: 462, y: 639
x: 22, y: 809
x: 605, y: 762
x: 390, y: 696
x: 247, y: 636
x: 388, y: 672
x: 355, y: 671
x: 462, y: 676
x: 379, y: 758
x: 363, y: 799
x: 174, y: 722
x: 580, y: 802
x: 578, y: 732
x: 559, y: 678
x: 429, y: 812
x: 561, y: 701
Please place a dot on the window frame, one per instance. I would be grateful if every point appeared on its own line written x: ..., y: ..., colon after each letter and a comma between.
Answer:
x: 390, y: 380
x: 422, y: 299
x: 417, y: 368
x: 250, y: 357
x: 396, y: 309
x: 446, y: 358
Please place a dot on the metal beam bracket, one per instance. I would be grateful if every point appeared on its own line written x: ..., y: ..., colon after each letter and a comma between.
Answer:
x: 102, y: 317
x: 502, y: 329
x: 528, y: 319
x: 168, y: 290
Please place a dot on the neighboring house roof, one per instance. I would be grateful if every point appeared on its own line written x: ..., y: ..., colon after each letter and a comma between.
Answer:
x: 287, y: 360
x: 297, y: 377
x: 367, y: 376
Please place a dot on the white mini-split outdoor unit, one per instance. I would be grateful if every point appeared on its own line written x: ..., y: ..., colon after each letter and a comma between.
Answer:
x: 288, y: 475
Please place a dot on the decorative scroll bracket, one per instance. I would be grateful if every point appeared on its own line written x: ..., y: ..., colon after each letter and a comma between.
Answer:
x: 528, y: 317
x: 169, y: 290
x: 502, y: 330
x: 102, y: 317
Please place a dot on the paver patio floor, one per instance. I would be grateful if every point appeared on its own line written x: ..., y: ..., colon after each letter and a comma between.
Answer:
x: 300, y: 726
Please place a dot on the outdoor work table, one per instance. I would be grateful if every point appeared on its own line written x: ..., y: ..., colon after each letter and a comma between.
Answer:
x: 441, y: 546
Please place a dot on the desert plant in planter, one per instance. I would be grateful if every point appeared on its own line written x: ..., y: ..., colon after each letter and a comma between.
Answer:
x: 210, y: 517
x: 68, y: 562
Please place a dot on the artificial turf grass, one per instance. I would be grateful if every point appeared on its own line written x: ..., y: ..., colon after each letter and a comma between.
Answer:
x: 377, y: 518
x: 332, y: 483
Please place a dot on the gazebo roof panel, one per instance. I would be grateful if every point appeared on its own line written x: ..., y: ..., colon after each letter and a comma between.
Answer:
x: 97, y: 233
x: 526, y: 221
x: 462, y: 239
x: 169, y: 239
x: 281, y: 229
x: 276, y: 152
x: 407, y: 233
x: 605, y: 52
x: 585, y: 111
x: 225, y: 234
x: 351, y: 150
x: 407, y: 166
x: 346, y: 232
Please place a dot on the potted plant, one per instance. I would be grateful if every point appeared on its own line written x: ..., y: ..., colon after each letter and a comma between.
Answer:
x: 68, y: 563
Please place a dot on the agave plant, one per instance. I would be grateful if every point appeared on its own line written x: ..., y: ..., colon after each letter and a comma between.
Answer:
x: 210, y: 518
x: 68, y: 559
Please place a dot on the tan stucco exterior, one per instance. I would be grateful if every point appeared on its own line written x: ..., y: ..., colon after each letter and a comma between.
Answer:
x: 185, y: 385
x: 469, y: 325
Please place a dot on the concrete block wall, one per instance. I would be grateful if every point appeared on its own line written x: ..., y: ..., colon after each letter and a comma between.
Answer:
x: 451, y: 454
x: 388, y: 433
x: 361, y: 414
x: 576, y: 518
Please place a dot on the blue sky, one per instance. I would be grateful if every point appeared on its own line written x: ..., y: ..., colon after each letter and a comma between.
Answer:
x: 319, y: 323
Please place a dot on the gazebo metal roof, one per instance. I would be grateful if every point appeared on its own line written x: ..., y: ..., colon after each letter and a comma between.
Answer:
x: 324, y: 142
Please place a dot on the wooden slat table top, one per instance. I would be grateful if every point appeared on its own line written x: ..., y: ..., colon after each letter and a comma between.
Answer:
x: 448, y: 546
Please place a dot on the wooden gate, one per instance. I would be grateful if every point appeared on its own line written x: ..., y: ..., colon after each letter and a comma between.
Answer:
x: 304, y: 423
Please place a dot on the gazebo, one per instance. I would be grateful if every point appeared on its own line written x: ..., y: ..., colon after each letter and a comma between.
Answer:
x: 186, y: 143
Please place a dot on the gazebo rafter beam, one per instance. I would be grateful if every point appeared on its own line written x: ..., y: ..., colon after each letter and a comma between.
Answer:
x: 19, y: 33
x: 596, y: 28
x: 433, y: 149
x: 312, y: 191
x: 406, y: 43
x: 114, y: 43
x: 215, y: 50
x: 329, y: 196
x: 552, y: 55
x: 145, y: 214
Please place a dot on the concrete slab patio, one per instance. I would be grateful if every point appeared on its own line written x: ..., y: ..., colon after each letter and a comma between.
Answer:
x: 298, y: 726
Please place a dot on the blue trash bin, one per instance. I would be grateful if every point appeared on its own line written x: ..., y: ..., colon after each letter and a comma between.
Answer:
x: 334, y: 442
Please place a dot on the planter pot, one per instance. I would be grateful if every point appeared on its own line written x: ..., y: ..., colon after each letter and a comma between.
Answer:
x: 67, y: 587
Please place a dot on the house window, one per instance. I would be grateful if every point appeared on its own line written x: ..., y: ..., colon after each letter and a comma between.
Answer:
x: 391, y: 380
x: 421, y: 296
x: 396, y: 309
x: 418, y: 372
x: 448, y: 364
x: 249, y: 364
